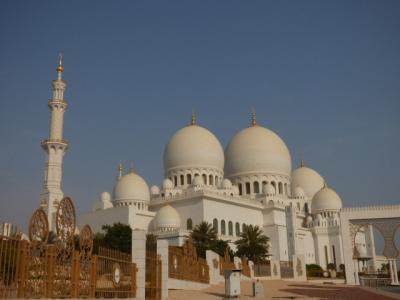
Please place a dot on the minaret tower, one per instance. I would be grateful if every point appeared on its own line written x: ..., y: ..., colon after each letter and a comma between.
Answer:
x: 55, y: 148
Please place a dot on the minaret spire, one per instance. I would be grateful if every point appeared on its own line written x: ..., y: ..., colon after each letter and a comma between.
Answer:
x: 55, y: 147
x: 120, y: 169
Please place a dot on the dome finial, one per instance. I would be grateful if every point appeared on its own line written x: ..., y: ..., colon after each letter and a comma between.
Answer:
x: 302, y: 161
x: 193, y: 121
x: 120, y: 169
x: 60, y: 67
x: 132, y: 169
x: 325, y: 184
x: 253, y: 117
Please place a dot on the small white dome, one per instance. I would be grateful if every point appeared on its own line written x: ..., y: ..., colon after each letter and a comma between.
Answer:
x: 326, y: 200
x: 154, y: 190
x: 198, y: 181
x: 308, y: 179
x: 226, y: 184
x: 168, y: 184
x: 167, y: 218
x: 131, y: 187
x: 269, y: 189
x: 362, y: 250
x: 105, y: 197
x: 309, y: 219
x: 257, y: 150
x: 193, y: 146
x: 298, y: 192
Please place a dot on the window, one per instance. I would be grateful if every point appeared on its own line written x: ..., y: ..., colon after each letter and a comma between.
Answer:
x: 247, y: 187
x: 306, y: 207
x: 215, y: 225
x: 240, y: 188
x: 189, y: 179
x: 182, y: 179
x: 216, y: 180
x: 205, y: 179
x: 237, y: 225
x: 326, y: 255
x: 256, y: 187
x: 280, y: 188
x: 175, y: 180
x: 230, y: 228
x: 243, y: 227
x: 211, y: 180
x: 223, y: 231
x: 189, y: 224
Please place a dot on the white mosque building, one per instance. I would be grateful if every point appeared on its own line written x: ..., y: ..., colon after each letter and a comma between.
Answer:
x: 251, y: 182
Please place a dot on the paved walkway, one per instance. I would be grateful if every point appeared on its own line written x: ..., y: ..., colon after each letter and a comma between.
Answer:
x: 278, y: 289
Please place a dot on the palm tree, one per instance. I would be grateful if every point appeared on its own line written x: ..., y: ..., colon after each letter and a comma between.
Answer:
x: 203, y: 235
x: 252, y: 243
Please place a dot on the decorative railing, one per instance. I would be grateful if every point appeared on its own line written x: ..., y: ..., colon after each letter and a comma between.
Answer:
x: 184, y: 264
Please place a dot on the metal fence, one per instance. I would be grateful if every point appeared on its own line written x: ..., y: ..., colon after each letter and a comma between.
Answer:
x: 184, y: 264
x: 262, y: 269
x: 287, y: 269
x: 153, y: 276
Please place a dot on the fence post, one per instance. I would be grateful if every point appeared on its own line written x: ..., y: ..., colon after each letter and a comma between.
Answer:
x: 162, y: 250
x: 299, y: 268
x: 93, y: 277
x: 21, y: 268
x: 75, y: 275
x: 139, y: 258
x: 275, y: 269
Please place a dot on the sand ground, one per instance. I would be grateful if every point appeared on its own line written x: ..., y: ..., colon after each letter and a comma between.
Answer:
x: 278, y: 289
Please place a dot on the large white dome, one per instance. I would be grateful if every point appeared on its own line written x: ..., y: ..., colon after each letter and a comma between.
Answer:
x: 131, y: 187
x: 193, y: 146
x: 326, y: 200
x: 308, y: 179
x: 167, y: 218
x: 257, y: 150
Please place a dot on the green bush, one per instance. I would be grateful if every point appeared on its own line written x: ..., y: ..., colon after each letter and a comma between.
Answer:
x: 314, y: 270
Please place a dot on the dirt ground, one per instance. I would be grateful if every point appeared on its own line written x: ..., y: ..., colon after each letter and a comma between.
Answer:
x: 278, y: 289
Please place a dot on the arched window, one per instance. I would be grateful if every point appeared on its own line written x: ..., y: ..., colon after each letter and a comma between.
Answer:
x: 240, y: 188
x: 286, y: 192
x: 223, y: 229
x: 280, y: 188
x: 274, y: 185
x: 175, y: 180
x: 182, y: 179
x: 215, y: 225
x: 264, y: 183
x: 247, y: 187
x: 211, y: 180
x: 189, y: 179
x: 256, y: 187
x: 306, y: 207
x: 237, y: 228
x: 189, y: 224
x: 230, y: 228
x: 216, y: 180
x: 205, y: 179
x: 243, y: 227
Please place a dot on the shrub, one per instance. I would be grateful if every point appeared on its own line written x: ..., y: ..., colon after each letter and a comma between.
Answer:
x: 314, y: 270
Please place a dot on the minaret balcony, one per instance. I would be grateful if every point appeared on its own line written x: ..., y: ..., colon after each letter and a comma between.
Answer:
x: 54, y: 142
x: 58, y: 102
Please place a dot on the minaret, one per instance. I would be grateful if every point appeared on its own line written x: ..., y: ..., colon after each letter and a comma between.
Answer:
x: 55, y: 147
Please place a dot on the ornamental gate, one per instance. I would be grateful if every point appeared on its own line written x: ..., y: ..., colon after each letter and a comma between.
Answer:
x: 153, y: 275
x: 39, y: 269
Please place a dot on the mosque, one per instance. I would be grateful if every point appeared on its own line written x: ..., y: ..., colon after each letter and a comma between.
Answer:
x: 250, y: 182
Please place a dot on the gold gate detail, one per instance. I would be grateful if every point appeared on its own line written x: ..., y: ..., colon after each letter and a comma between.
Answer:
x: 37, y: 269
x: 153, y: 275
x: 184, y: 264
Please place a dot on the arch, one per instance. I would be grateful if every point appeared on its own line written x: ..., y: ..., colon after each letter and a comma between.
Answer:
x: 215, y: 225
x: 189, y: 224
x: 273, y: 184
x: 223, y: 229
x: 211, y: 179
x: 230, y: 228
x: 189, y: 179
x: 247, y: 188
x: 298, y: 205
x: 280, y: 188
x: 237, y: 228
x: 175, y: 180
x: 182, y: 179
x: 306, y: 210
x: 205, y: 179
x: 216, y: 180
x: 256, y: 187
x: 243, y: 227
x: 285, y: 189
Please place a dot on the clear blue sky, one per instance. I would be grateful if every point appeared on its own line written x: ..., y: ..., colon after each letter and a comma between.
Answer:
x: 324, y: 75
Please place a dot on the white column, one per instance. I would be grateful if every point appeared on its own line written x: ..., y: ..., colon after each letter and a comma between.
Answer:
x: 139, y: 258
x: 396, y: 277
x: 356, y: 270
x: 162, y: 250
x: 391, y: 270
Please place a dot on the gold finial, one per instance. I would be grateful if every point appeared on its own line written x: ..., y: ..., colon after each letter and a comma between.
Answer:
x: 253, y: 118
x: 120, y: 169
x: 132, y: 169
x: 302, y: 162
x: 325, y: 184
x: 60, y: 67
x: 193, y: 121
